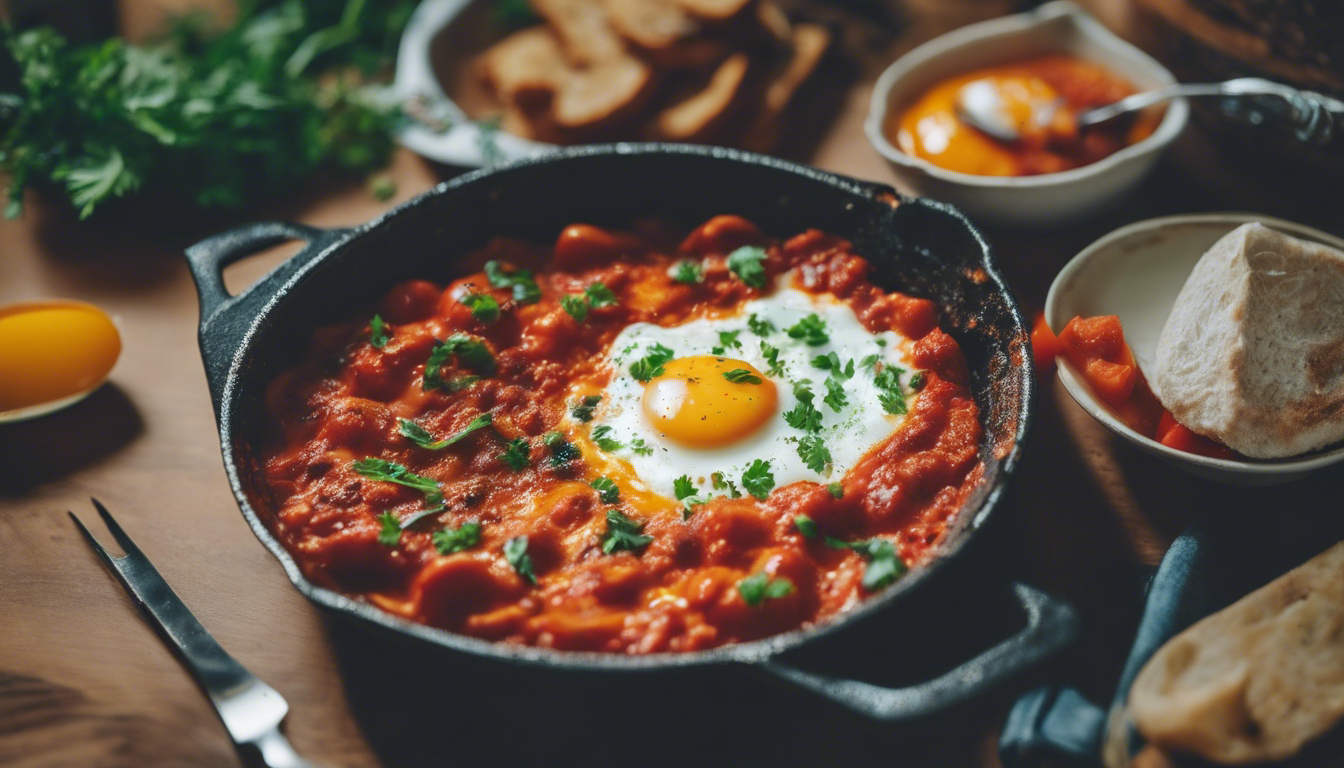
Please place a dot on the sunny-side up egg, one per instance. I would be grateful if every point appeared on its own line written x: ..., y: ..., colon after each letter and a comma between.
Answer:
x: 52, y: 353
x: 729, y: 388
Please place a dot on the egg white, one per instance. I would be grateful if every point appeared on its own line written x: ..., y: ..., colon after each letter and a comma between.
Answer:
x: 848, y: 434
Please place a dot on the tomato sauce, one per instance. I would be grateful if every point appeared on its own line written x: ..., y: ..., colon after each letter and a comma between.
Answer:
x: 681, y: 591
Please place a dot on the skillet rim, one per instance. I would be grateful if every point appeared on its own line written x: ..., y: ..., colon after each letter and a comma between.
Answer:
x: 229, y: 422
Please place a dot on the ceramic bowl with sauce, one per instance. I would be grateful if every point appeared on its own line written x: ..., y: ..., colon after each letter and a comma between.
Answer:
x: 1035, y: 201
x: 1136, y: 273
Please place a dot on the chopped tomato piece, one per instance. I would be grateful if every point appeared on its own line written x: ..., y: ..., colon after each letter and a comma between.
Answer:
x: 1164, y: 425
x: 1096, y: 347
x: 1044, y: 343
x: 1183, y: 439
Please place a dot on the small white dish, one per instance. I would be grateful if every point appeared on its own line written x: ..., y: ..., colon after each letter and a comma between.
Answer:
x: 1135, y: 273
x: 1024, y: 202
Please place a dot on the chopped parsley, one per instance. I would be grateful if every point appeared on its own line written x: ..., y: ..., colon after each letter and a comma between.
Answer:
x: 870, y: 361
x: 811, y: 329
x: 599, y: 295
x: 483, y: 307
x: 623, y: 534
x: 607, y: 490
x: 575, y: 306
x: 884, y: 565
x: 517, y: 454
x: 562, y: 451
x: 471, y: 353
x: 746, y: 263
x: 836, y: 490
x: 741, y: 376
x: 721, y: 483
x: 640, y: 447
x: 890, y: 394
x: 688, y: 272
x: 758, y: 480
x: 759, y: 587
x: 683, y: 487
x: 392, y: 472
x: 390, y: 535
x: 451, y: 540
x: 835, y: 394
x: 806, y: 526
x: 418, y: 435
x: 831, y: 362
x: 651, y: 365
x: 729, y: 339
x: 604, y: 442
x: 772, y: 357
x: 583, y: 410
x: 378, y: 335
x: 917, y: 380
x: 804, y: 416
x: 515, y: 553
x: 760, y: 327
x: 525, y: 289
x: 814, y: 453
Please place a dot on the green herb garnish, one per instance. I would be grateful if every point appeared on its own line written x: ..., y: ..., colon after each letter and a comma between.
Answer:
x: 562, y: 451
x: 418, y: 435
x: 525, y: 288
x: 575, y: 306
x: 741, y: 376
x: 831, y: 362
x: 683, y: 487
x: 451, y: 540
x: 517, y: 454
x: 870, y: 361
x: 806, y: 526
x: 836, y: 490
x: 917, y: 380
x: 607, y: 490
x: 746, y: 263
x: 515, y: 553
x: 583, y: 410
x: 599, y: 295
x: 471, y: 353
x: 811, y: 329
x: 378, y: 335
x: 729, y: 339
x: 606, y: 443
x: 772, y: 357
x: 835, y: 394
x: 804, y: 415
x: 390, y: 535
x: 884, y: 565
x: 890, y: 394
x: 759, y: 587
x: 758, y: 480
x: 760, y: 327
x: 483, y: 307
x: 814, y: 453
x: 651, y: 365
x: 688, y: 272
x: 392, y: 472
x: 623, y: 533
x: 640, y: 447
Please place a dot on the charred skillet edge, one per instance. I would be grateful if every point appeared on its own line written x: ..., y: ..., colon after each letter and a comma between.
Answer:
x: 749, y: 652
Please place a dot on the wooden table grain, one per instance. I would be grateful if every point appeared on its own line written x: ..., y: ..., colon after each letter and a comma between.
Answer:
x: 85, y: 682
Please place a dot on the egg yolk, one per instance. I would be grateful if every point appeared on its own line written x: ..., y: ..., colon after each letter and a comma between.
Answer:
x: 708, y: 402
x: 53, y: 350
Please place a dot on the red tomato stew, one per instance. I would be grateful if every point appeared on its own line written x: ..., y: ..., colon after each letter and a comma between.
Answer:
x: 445, y: 454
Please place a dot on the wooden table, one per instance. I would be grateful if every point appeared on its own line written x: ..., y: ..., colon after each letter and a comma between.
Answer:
x: 85, y: 682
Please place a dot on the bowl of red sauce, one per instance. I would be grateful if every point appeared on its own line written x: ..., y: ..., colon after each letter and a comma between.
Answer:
x: 1057, y: 175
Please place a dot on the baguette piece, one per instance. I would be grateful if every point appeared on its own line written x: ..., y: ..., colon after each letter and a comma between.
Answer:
x: 696, y: 117
x: 526, y: 67
x: 1257, y: 680
x: 1252, y: 354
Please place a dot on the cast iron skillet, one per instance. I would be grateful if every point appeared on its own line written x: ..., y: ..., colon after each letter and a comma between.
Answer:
x: 917, y: 246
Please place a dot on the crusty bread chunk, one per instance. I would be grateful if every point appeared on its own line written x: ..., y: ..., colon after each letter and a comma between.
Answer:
x: 1257, y: 680
x: 584, y: 28
x: 527, y: 66
x: 1252, y: 354
x: 717, y: 10
x: 808, y: 44
x: 694, y: 117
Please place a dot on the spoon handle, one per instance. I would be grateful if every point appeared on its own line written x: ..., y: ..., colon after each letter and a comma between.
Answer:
x: 1312, y: 117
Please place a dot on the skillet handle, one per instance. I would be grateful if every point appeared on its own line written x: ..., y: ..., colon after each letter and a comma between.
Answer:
x: 225, y: 318
x: 1051, y: 625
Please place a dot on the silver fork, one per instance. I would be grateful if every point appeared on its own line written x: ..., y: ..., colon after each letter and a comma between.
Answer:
x: 250, y: 709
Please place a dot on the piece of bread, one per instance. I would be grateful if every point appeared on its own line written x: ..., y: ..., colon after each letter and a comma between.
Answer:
x: 696, y: 115
x: 1252, y: 354
x: 600, y: 96
x: 716, y: 10
x: 808, y: 45
x: 526, y: 67
x: 584, y: 29
x: 1257, y: 680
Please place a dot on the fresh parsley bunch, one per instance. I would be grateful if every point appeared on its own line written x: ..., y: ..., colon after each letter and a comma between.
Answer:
x: 218, y: 119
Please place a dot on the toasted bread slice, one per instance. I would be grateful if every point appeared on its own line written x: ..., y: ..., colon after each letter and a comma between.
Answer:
x: 716, y: 10
x: 651, y: 24
x: 694, y: 117
x: 525, y: 67
x: 596, y: 98
x: 809, y: 45
x: 584, y: 29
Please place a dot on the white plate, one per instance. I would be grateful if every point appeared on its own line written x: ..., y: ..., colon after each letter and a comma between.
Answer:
x: 1136, y: 273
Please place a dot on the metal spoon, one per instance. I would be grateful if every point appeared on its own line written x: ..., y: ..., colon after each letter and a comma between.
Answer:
x: 1312, y: 117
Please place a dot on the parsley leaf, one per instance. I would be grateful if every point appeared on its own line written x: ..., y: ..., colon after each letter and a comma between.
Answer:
x: 483, y: 307
x: 772, y: 357
x: 392, y: 472
x: 515, y: 553
x: 729, y: 339
x: 688, y: 272
x: 745, y: 262
x: 378, y: 335
x: 607, y: 490
x: 890, y: 394
x: 451, y: 540
x: 806, y: 526
x: 651, y: 365
x: 917, y: 380
x: 811, y: 329
x: 471, y: 353
x: 525, y: 288
x: 604, y: 442
x: 576, y: 307
x: 623, y: 533
x: 418, y: 435
x: 835, y: 394
x: 758, y: 480
x: 831, y: 362
x: 836, y: 490
x: 741, y: 376
x: 814, y: 453
x: 517, y: 454
x: 804, y: 415
x: 599, y: 295
x: 870, y: 361
x: 640, y: 447
x: 760, y: 327
x: 583, y: 410
x: 683, y: 487
x: 759, y: 587
x: 390, y: 535
x: 884, y: 565
x: 562, y: 451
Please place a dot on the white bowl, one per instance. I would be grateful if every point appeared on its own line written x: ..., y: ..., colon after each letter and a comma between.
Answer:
x: 1136, y: 273
x: 1024, y: 202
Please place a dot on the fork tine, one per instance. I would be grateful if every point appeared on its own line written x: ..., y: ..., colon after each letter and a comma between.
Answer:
x: 93, y: 542
x: 123, y: 540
